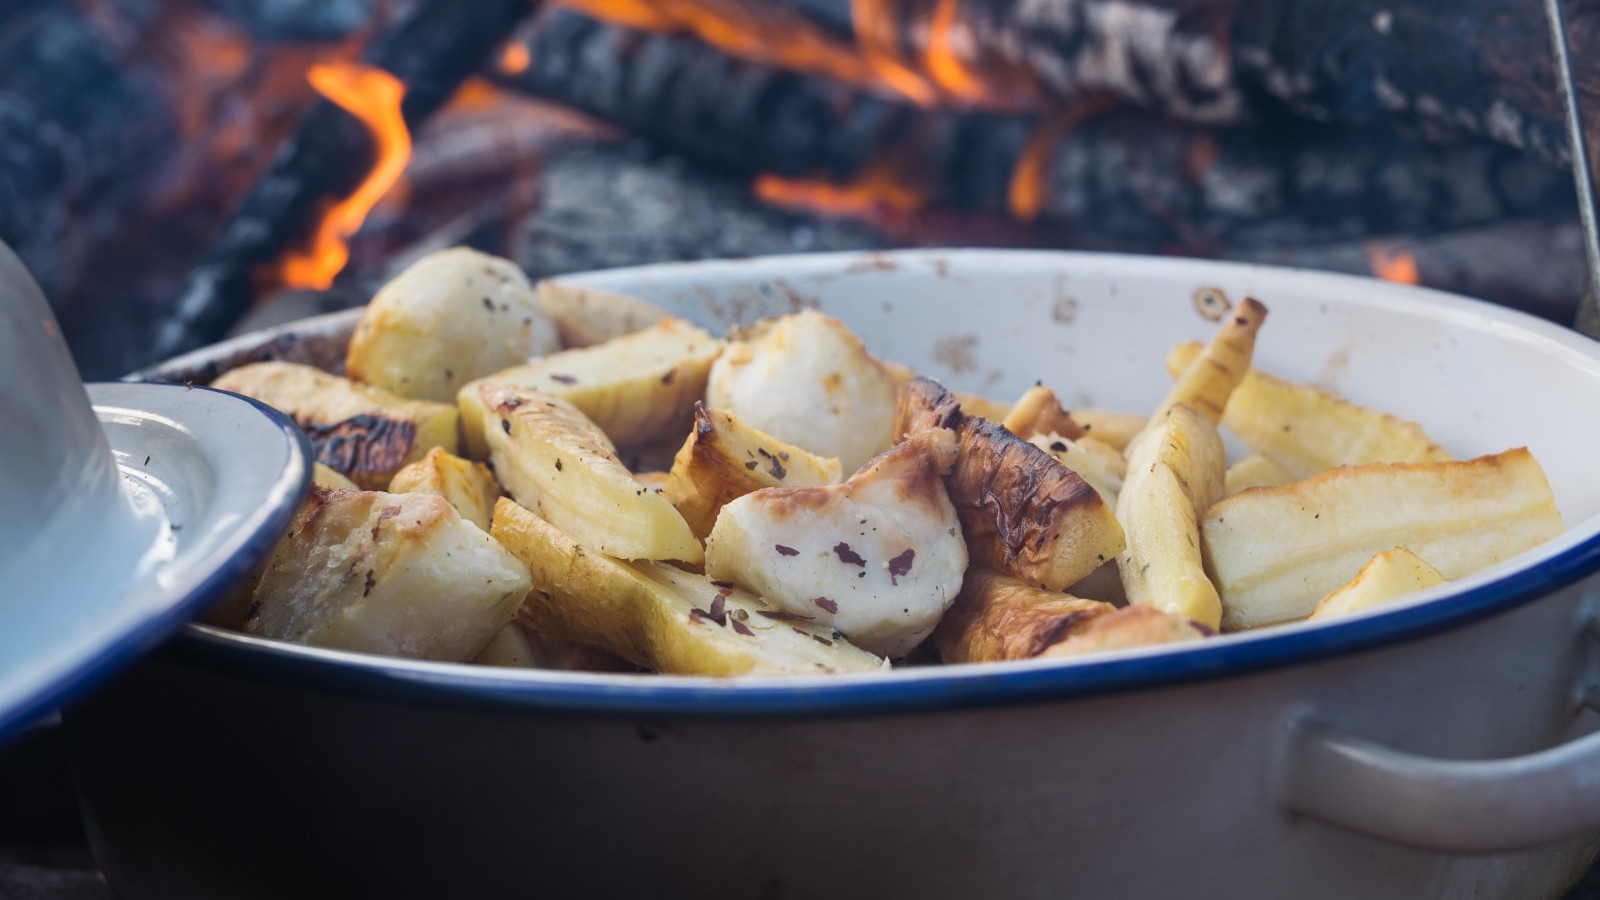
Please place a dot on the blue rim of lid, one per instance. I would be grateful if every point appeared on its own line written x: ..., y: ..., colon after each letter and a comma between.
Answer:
x: 193, y: 580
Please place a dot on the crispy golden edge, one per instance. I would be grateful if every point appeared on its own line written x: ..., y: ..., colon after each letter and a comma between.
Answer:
x: 997, y: 617
x: 1038, y: 411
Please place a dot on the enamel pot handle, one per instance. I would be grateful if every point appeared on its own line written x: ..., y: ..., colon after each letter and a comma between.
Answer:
x: 1436, y: 804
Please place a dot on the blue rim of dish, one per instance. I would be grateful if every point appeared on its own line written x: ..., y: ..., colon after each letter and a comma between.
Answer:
x: 917, y: 689
x: 257, y: 535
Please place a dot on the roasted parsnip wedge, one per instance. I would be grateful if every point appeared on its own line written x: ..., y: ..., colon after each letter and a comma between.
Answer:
x: 725, y: 458
x: 1209, y: 380
x: 806, y: 379
x: 400, y: 574
x: 879, y: 557
x: 637, y: 388
x: 1307, y: 431
x: 1274, y: 552
x: 515, y: 647
x: 1022, y: 512
x: 1175, y: 471
x: 1385, y: 578
x: 586, y: 316
x: 1109, y: 426
x: 450, y: 317
x: 363, y: 432
x: 553, y: 460
x: 996, y: 617
x: 1039, y: 412
x: 1254, y: 470
x: 1128, y: 629
x: 659, y: 617
x: 469, y: 486
x: 328, y: 478
x: 1096, y: 462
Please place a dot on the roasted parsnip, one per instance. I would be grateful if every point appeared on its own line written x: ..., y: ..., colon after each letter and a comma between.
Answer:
x: 724, y: 458
x: 1306, y: 431
x: 1022, y: 512
x: 996, y: 618
x: 450, y: 317
x: 586, y: 316
x: 1254, y: 470
x: 550, y: 458
x: 1209, y: 379
x: 1274, y: 552
x: 637, y: 388
x: 469, y: 486
x: 1385, y: 578
x: 400, y: 574
x: 1039, y: 412
x: 807, y: 380
x: 363, y: 432
x: 1175, y: 471
x: 659, y: 617
x: 878, y: 557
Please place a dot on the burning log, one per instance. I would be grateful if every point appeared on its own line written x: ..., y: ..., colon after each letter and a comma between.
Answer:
x: 63, y: 101
x: 430, y: 52
x: 1473, y: 68
x: 1122, y: 176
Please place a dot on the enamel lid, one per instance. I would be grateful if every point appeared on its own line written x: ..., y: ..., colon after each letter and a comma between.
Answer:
x: 125, y: 509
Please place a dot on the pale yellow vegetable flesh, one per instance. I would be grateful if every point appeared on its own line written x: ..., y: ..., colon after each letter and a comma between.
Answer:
x: 586, y: 316
x: 637, y: 388
x: 468, y: 486
x: 724, y: 459
x: 660, y: 617
x: 1306, y: 431
x: 550, y: 458
x: 1207, y: 382
x: 1254, y: 470
x: 1175, y: 469
x: 1274, y: 552
x: 1385, y: 578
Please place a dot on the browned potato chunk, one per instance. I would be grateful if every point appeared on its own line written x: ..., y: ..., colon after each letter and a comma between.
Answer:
x: 469, y: 486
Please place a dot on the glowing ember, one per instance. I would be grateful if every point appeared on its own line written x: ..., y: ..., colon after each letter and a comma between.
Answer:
x: 1393, y: 265
x: 373, y: 96
x: 877, y: 191
x: 515, y: 58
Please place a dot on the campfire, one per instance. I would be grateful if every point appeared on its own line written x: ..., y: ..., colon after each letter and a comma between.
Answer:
x: 169, y: 169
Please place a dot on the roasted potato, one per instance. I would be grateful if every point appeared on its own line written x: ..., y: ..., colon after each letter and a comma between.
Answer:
x: 450, y: 317
x: 586, y: 316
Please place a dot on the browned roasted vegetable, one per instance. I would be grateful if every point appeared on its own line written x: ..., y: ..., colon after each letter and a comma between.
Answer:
x: 363, y: 432
x: 1022, y: 512
x: 996, y: 617
x: 1127, y: 629
x: 1039, y: 412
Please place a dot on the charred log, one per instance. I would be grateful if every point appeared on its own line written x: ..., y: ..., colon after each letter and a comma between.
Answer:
x: 1477, y: 68
x: 431, y: 52
x: 1123, y: 176
x: 297, y: 20
x: 608, y: 205
x: 1495, y: 262
x: 78, y: 134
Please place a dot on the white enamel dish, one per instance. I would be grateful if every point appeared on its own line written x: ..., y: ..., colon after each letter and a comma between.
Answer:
x: 1232, y: 749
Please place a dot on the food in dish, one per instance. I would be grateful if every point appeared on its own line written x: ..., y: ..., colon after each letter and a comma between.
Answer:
x: 1003, y: 530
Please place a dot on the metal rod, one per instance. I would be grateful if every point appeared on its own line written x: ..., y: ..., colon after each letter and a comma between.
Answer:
x: 1588, y: 320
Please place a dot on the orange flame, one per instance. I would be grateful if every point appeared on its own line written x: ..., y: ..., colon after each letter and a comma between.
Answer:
x: 1393, y: 265
x: 373, y: 96
x: 879, y: 189
x: 515, y: 58
x: 877, y: 28
x: 942, y: 60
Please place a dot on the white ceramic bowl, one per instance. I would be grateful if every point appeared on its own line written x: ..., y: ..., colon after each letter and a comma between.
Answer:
x: 1187, y: 771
